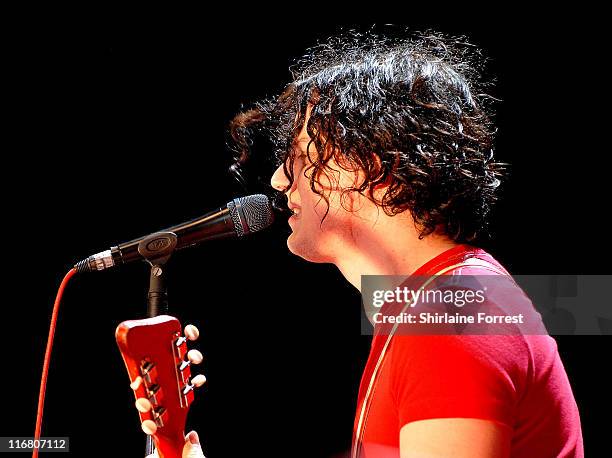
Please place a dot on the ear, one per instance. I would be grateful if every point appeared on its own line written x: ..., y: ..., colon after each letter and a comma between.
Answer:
x: 355, y: 177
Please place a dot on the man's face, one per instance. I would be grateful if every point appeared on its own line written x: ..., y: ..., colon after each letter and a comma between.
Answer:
x: 311, y: 239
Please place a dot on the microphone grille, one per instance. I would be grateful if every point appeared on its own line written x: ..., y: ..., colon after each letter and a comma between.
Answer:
x: 251, y: 213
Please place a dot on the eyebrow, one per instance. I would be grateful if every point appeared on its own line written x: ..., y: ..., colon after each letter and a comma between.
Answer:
x: 301, y: 151
x: 302, y: 140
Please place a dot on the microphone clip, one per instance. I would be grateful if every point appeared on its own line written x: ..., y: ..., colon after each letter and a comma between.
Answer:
x: 157, y: 248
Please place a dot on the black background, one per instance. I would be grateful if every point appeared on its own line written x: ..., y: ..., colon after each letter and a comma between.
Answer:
x: 117, y: 128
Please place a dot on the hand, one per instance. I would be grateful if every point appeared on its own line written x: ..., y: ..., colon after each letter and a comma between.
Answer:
x: 191, y: 449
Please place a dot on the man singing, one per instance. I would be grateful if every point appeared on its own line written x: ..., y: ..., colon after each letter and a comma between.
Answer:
x: 384, y: 153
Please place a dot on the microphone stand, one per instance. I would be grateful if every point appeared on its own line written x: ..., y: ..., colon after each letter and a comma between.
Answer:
x: 156, y: 249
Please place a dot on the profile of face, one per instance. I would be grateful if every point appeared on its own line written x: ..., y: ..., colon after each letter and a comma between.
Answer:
x: 313, y: 237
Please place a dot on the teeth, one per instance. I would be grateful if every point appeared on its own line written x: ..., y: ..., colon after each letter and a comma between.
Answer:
x: 296, y: 211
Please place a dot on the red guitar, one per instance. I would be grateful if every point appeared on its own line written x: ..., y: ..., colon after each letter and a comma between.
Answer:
x: 158, y: 363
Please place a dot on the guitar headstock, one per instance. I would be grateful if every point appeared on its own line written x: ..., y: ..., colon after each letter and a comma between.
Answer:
x: 158, y: 363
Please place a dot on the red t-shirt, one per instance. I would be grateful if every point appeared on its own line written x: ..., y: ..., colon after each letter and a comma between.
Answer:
x: 515, y: 380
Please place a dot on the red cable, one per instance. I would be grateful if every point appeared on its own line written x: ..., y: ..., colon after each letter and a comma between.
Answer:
x: 45, y: 370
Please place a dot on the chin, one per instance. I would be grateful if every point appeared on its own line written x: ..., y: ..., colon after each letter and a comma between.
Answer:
x: 305, y: 249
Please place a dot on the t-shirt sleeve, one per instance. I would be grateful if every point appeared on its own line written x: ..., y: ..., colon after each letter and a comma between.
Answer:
x: 449, y: 376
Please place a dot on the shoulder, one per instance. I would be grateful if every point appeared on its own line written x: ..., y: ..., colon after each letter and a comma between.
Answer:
x: 503, y: 352
x: 459, y: 376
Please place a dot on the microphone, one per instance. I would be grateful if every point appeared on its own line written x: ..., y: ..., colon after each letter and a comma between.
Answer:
x: 238, y: 218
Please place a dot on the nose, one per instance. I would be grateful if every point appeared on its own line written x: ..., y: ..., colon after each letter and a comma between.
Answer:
x: 279, y: 180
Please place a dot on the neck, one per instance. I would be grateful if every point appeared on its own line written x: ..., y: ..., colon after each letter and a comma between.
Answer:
x: 389, y: 246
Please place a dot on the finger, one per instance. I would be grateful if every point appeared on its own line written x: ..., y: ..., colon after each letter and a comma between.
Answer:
x: 192, y: 448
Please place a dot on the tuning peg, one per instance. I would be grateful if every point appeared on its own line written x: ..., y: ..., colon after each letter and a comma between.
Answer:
x: 193, y: 357
x: 136, y: 383
x: 149, y: 427
x: 191, y: 332
x: 143, y: 405
x: 196, y: 382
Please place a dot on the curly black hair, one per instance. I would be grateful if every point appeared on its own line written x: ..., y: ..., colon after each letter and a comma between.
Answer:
x: 410, y: 113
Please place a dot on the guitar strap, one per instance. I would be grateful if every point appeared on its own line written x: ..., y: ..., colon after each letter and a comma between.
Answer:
x: 365, y: 405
